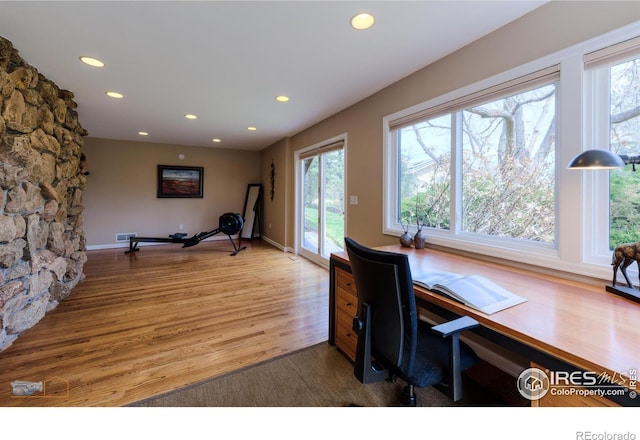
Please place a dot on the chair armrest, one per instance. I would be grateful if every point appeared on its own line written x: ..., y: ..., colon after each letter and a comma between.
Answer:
x: 456, y: 326
x: 452, y: 331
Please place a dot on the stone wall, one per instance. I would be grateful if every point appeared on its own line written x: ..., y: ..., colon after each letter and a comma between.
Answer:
x: 42, y: 177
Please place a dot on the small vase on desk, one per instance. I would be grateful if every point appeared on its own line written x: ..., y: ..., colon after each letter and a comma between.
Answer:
x: 419, y: 240
x: 406, y: 240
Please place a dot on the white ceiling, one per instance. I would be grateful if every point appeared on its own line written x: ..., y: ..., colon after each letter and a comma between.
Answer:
x: 226, y: 61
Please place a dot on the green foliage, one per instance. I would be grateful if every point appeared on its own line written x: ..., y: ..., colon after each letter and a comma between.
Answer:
x: 505, y: 175
x: 429, y: 203
x: 513, y: 199
x: 624, y: 138
x: 624, y: 210
x: 334, y: 225
x: 333, y: 187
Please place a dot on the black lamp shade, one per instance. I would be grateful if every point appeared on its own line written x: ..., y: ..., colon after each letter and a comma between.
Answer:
x: 596, y: 159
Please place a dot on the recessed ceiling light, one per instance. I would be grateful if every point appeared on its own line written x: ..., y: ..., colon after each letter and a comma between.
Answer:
x: 282, y: 98
x: 251, y: 128
x: 190, y: 116
x: 143, y: 133
x: 92, y: 61
x: 114, y: 95
x: 216, y: 140
x: 362, y: 21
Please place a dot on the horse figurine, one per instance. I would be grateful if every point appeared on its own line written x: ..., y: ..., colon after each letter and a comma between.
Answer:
x: 623, y: 255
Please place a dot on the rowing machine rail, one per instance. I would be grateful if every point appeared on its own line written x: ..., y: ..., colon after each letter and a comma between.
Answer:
x: 230, y: 223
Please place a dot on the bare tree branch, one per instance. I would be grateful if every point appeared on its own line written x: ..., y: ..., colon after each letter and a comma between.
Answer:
x: 625, y: 115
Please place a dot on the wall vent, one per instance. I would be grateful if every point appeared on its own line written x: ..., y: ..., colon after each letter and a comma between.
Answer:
x: 124, y: 236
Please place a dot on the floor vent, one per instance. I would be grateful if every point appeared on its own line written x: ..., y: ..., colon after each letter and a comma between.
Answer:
x: 124, y: 236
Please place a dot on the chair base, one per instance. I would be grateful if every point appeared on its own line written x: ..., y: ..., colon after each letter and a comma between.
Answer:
x: 409, y: 396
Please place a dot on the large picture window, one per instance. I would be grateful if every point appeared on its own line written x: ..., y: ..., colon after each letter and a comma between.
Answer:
x: 613, y: 84
x: 424, y: 150
x: 486, y: 169
x: 624, y: 138
x: 508, y: 166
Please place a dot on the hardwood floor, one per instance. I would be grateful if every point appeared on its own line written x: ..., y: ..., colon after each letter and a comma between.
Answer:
x: 157, y: 320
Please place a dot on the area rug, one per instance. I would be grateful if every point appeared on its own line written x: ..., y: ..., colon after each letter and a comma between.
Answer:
x: 319, y: 376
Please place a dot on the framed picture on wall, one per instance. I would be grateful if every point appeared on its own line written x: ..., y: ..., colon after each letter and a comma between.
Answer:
x: 178, y: 181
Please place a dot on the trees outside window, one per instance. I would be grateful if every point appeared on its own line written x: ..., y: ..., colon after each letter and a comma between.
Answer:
x: 320, y: 183
x: 624, y: 138
x: 484, y: 167
x: 500, y: 153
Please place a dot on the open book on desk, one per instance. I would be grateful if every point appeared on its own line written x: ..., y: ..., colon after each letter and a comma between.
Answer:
x: 475, y: 291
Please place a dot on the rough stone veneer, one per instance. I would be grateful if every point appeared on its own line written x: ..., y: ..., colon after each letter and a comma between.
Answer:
x: 42, y: 176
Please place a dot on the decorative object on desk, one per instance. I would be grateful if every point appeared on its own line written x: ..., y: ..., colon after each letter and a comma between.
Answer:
x: 179, y: 182
x: 405, y: 239
x: 626, y: 253
x: 419, y: 240
x: 623, y: 256
x: 427, y: 212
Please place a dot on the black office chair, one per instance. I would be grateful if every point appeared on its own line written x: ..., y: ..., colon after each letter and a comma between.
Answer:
x: 392, y: 340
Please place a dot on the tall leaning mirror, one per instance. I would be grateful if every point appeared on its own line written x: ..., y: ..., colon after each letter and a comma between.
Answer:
x: 251, y: 214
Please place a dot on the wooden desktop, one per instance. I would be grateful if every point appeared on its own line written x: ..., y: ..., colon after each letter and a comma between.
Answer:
x: 565, y: 326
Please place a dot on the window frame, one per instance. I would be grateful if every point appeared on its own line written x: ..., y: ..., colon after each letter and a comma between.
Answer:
x: 455, y: 236
x: 597, y: 93
x: 338, y: 142
x: 575, y: 198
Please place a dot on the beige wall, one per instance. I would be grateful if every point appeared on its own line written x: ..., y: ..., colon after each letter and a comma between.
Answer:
x: 274, y: 224
x: 548, y: 29
x: 121, y: 190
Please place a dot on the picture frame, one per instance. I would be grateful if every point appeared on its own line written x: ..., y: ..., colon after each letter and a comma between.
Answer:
x: 180, y: 182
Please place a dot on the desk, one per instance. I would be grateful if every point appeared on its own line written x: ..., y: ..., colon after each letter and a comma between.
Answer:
x: 564, y: 325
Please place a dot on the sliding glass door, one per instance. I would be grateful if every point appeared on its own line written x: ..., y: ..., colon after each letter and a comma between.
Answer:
x: 321, y: 213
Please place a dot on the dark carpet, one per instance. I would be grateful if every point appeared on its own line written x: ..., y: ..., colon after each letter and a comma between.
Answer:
x: 319, y: 376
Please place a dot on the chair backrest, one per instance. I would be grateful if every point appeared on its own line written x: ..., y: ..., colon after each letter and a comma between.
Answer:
x: 383, y: 280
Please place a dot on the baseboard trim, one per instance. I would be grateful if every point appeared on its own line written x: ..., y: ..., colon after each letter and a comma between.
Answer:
x: 283, y: 248
x: 273, y: 243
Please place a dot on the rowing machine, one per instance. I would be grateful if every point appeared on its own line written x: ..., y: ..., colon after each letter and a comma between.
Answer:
x: 230, y: 223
